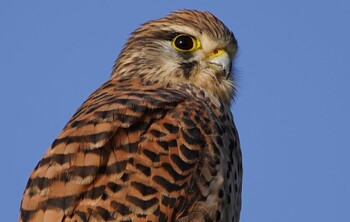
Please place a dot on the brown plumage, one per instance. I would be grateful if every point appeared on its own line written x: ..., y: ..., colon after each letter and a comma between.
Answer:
x: 157, y: 141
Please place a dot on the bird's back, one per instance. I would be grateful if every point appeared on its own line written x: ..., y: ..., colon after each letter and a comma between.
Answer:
x: 136, y: 152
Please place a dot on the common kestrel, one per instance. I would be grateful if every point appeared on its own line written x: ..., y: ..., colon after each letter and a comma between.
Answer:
x: 157, y: 141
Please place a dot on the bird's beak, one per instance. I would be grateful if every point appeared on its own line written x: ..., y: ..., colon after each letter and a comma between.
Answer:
x: 220, y: 61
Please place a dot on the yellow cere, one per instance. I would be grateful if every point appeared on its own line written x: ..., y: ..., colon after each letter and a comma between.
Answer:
x: 216, y: 53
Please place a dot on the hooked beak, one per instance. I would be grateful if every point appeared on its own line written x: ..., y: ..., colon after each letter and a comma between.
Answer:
x: 220, y: 62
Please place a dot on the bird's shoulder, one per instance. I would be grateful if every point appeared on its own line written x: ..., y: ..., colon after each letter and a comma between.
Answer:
x: 129, y: 147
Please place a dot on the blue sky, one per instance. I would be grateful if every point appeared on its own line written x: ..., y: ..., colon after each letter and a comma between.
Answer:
x: 292, y: 108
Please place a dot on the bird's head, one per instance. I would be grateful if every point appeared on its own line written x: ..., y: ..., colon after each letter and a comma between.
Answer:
x: 186, y: 46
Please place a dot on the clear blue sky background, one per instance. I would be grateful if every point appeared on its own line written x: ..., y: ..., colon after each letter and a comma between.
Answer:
x: 292, y: 109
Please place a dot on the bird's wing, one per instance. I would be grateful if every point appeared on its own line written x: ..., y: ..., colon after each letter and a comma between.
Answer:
x: 130, y: 153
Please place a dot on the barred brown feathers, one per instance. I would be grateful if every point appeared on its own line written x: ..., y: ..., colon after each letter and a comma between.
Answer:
x: 157, y: 141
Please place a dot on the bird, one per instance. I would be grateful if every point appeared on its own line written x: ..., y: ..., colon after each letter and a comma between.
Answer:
x: 157, y: 141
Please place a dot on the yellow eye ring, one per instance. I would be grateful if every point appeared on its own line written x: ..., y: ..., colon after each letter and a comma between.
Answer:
x: 185, y: 43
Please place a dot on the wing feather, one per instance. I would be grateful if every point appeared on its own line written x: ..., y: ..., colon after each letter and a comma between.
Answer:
x: 131, y: 155
x: 124, y: 152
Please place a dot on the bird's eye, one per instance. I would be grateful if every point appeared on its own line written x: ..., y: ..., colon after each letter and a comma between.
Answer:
x: 185, y: 43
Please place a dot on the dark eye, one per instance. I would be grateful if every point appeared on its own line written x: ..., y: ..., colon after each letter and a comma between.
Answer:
x: 185, y: 43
